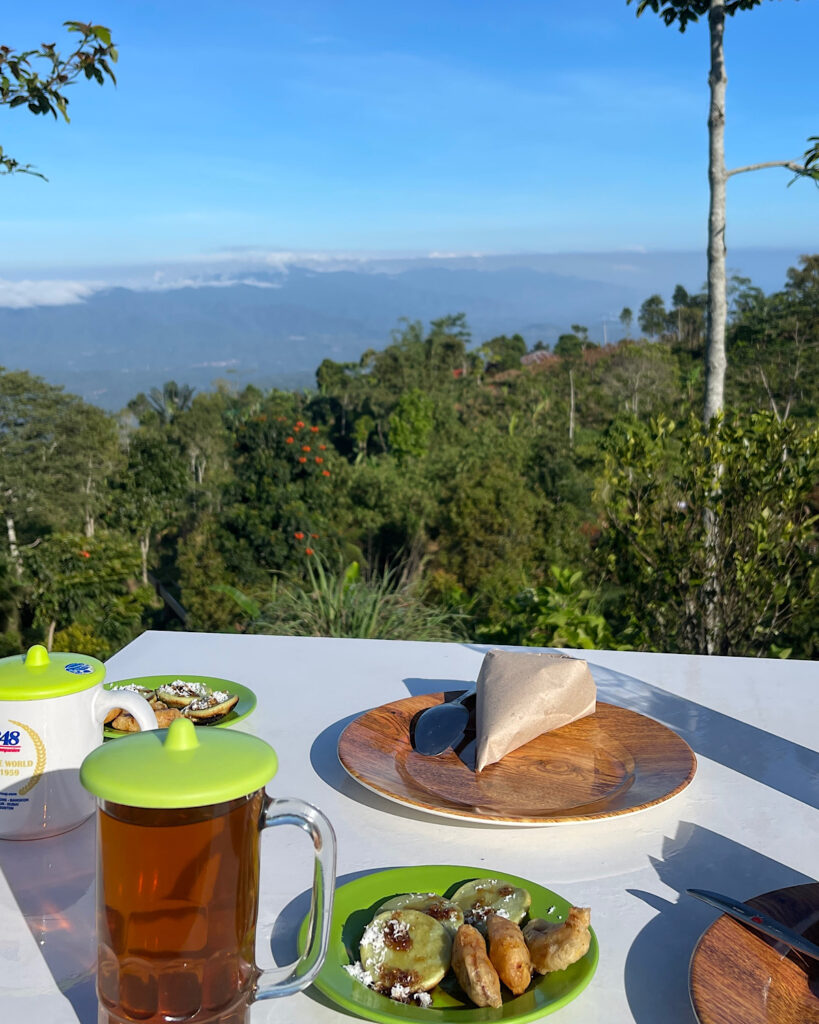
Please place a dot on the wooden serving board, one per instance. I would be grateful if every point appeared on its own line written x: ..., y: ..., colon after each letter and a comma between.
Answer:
x: 739, y: 975
x: 611, y: 763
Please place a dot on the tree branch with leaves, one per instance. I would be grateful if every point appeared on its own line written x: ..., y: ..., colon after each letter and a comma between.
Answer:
x: 39, y: 79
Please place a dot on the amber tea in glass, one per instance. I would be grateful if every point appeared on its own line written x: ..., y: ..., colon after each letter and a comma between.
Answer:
x: 178, y: 876
x: 177, y: 909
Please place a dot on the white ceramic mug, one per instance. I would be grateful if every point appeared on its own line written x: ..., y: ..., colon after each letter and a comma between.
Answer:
x: 44, y: 738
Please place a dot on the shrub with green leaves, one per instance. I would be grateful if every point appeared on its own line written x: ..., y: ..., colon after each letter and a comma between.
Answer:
x: 748, y: 585
x: 83, y: 590
x: 563, y: 614
x: 346, y: 603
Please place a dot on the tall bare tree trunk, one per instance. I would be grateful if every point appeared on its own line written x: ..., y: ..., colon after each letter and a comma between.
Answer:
x: 571, y: 407
x: 52, y: 626
x: 14, y: 550
x: 715, y: 363
x: 717, y: 177
x: 89, y: 515
x: 144, y: 547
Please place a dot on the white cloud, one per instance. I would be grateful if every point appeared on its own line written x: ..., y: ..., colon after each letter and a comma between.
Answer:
x: 25, y: 294
x: 161, y: 284
x: 455, y: 255
x: 22, y: 294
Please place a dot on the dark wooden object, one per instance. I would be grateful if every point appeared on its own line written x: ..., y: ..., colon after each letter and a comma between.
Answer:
x: 739, y: 976
x: 610, y: 763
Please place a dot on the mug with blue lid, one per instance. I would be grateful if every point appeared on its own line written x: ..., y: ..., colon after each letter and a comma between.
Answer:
x: 52, y: 708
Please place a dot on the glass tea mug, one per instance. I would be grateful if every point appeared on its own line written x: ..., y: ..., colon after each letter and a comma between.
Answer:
x: 180, y: 813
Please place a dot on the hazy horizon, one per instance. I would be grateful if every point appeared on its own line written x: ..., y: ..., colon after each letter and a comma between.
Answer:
x: 272, y: 323
x: 652, y: 270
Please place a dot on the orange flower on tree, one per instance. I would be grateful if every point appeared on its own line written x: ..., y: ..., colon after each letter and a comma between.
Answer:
x: 325, y: 472
x: 314, y: 430
x: 305, y: 447
x: 319, y: 460
x: 315, y: 536
x: 322, y: 447
x: 298, y: 535
x: 85, y: 554
x: 299, y: 424
x: 302, y: 458
x: 309, y: 551
x: 289, y: 440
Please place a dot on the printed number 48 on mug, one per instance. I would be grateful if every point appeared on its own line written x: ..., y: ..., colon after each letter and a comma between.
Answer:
x: 10, y: 742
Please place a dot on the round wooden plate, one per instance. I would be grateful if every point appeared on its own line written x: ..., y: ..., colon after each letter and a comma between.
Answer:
x: 738, y: 974
x: 611, y: 763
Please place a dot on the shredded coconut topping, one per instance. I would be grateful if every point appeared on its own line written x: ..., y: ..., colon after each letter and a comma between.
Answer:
x: 357, y: 971
x: 201, y: 704
x: 208, y: 700
x: 480, y: 913
x: 400, y: 993
x: 374, y: 937
x: 183, y: 689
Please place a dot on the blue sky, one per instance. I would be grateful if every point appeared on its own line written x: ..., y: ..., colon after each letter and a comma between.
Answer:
x: 431, y: 126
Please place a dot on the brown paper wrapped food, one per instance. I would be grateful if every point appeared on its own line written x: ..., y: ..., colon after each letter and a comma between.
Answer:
x: 522, y: 695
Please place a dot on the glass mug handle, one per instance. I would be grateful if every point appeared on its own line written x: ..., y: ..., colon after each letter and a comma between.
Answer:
x: 284, y: 981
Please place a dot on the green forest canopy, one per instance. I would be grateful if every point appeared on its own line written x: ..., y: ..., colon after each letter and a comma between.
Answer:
x: 436, y: 489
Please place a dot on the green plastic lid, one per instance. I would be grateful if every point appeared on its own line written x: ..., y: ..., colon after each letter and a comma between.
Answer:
x: 181, y: 766
x: 39, y: 675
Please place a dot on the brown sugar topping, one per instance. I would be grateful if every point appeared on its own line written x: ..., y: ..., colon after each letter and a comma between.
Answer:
x: 479, y: 911
x: 390, y: 977
x: 439, y: 911
x: 397, y: 935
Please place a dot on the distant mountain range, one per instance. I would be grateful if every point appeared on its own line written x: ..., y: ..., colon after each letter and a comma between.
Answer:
x: 274, y: 324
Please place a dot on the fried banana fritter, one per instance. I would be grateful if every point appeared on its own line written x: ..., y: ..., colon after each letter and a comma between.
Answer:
x: 555, y: 945
x: 125, y: 722
x: 473, y: 968
x: 509, y: 953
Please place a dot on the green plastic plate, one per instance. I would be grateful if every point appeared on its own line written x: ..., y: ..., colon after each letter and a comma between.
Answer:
x: 247, y: 698
x: 354, y: 907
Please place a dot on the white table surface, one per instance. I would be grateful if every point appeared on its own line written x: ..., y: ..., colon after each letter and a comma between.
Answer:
x: 747, y: 824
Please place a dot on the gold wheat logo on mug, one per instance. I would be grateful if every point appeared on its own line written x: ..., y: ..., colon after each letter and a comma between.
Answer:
x: 22, y: 756
x: 52, y: 708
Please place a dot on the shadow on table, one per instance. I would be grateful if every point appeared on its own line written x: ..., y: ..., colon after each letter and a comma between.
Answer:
x: 782, y: 765
x: 762, y: 756
x: 283, y: 940
x: 417, y: 687
x: 656, y: 970
x: 52, y: 881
